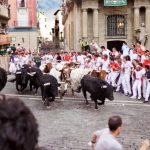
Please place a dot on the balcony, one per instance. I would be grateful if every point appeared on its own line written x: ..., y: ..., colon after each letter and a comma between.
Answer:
x: 4, y: 11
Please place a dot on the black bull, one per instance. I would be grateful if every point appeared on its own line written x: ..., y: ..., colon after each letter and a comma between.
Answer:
x: 99, y: 89
x: 3, y: 78
x: 49, y: 88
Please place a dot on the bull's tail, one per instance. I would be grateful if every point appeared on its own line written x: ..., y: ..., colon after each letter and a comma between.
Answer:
x: 78, y: 90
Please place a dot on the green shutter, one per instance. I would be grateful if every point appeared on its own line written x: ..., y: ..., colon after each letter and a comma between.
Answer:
x: 115, y: 2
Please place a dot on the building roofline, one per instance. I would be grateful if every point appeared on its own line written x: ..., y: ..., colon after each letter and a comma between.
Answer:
x: 57, y: 11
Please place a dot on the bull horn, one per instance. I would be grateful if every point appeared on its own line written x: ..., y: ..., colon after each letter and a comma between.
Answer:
x: 104, y: 87
x: 18, y: 72
x: 33, y: 72
x: 29, y: 74
x: 61, y: 82
x: 47, y: 84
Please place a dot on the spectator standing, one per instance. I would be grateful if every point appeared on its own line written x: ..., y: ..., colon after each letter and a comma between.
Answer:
x: 125, y: 49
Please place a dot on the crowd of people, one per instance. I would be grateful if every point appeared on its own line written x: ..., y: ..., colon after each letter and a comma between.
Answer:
x: 127, y: 70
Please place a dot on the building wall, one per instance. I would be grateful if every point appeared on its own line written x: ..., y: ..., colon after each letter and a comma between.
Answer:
x: 84, y: 29
x: 44, y: 27
x: 105, y: 11
x: 5, y: 38
x: 27, y: 40
x: 24, y: 31
x: 13, y: 12
x: 68, y: 33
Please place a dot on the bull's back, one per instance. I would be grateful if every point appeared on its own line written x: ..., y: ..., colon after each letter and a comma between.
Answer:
x: 90, y: 84
x: 53, y: 87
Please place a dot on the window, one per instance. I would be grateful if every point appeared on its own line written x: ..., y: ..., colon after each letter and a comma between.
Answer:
x: 116, y: 25
x: 22, y: 18
x: 21, y: 3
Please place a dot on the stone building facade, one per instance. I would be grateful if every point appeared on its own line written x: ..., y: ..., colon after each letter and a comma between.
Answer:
x: 107, y: 25
x: 23, y: 23
x: 5, y: 38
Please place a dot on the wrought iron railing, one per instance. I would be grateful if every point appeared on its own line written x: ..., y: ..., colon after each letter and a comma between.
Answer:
x: 116, y: 26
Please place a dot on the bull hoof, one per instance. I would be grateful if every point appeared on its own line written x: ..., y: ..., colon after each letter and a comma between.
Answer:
x: 87, y: 105
x: 96, y: 109
x: 48, y: 107
x: 63, y: 94
x: 100, y: 103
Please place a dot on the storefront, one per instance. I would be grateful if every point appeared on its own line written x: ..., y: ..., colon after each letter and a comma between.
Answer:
x: 5, y: 41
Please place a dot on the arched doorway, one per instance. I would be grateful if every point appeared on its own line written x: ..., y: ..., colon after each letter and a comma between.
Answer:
x: 116, y: 44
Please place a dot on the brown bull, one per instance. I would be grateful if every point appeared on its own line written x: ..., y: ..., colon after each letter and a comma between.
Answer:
x: 48, y: 67
x: 99, y: 74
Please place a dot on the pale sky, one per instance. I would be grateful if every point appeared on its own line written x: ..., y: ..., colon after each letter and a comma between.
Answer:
x: 49, y: 7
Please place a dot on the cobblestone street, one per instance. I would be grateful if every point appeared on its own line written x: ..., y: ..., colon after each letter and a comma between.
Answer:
x: 68, y: 124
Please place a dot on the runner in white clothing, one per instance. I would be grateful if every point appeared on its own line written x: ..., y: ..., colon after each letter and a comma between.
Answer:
x: 138, y: 82
x: 127, y: 69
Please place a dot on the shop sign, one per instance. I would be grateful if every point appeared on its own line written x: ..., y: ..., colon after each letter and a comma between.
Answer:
x: 115, y: 2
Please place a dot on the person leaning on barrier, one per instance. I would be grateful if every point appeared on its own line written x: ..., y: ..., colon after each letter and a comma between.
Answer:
x: 18, y: 126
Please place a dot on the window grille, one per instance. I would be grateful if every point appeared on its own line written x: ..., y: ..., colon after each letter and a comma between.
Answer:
x: 116, y: 25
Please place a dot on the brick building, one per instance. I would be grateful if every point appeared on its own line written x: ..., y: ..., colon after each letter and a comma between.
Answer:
x: 108, y: 22
x: 5, y: 39
x: 23, y: 23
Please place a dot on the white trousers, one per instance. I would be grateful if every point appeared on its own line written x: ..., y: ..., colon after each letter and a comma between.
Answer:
x: 144, y: 86
x: 119, y: 82
x: 137, y: 88
x: 126, y: 84
x: 114, y: 76
x: 147, y: 94
x: 108, y: 77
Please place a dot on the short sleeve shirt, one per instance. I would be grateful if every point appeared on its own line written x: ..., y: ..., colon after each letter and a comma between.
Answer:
x: 106, y: 141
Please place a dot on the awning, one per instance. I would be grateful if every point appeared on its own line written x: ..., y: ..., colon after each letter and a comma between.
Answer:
x: 5, y: 39
x: 115, y: 2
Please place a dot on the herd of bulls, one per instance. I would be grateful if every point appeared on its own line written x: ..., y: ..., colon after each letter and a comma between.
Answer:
x: 54, y: 80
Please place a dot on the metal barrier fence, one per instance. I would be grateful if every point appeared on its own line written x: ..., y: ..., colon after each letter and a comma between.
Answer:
x: 4, y: 62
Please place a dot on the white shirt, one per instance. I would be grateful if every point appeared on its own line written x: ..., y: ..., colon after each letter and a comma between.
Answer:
x: 125, y: 50
x: 134, y: 56
x: 106, y: 52
x: 49, y: 58
x: 143, y: 58
x: 127, y: 67
x: 105, y: 65
x: 80, y: 59
x: 139, y: 74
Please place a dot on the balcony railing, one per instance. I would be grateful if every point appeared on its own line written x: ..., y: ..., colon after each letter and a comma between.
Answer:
x: 4, y: 11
